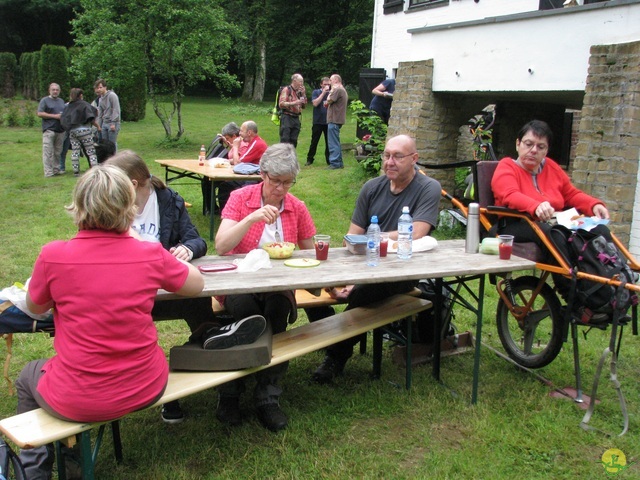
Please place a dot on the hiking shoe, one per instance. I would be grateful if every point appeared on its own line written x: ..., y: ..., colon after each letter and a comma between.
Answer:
x: 272, y: 417
x: 589, y: 317
x: 228, y: 411
x: 242, y: 332
x: 172, y: 412
x: 328, y: 369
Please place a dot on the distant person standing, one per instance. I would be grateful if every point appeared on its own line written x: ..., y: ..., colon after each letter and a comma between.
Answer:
x: 293, y: 99
x: 49, y: 110
x: 77, y: 119
x: 382, y: 99
x: 108, y: 111
x: 319, y: 127
x: 336, y: 117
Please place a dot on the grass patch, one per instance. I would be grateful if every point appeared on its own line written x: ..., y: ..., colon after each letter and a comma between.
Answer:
x: 358, y: 427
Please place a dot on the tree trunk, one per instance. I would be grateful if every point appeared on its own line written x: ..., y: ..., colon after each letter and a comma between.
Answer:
x: 247, y: 92
x: 159, y: 111
x: 261, y: 67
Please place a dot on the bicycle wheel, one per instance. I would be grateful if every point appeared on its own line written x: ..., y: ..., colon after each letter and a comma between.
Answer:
x: 536, y: 339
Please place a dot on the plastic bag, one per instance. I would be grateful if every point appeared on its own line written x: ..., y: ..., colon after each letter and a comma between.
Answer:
x: 255, y: 260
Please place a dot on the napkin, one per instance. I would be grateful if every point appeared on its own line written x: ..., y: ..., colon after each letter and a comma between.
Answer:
x: 420, y: 245
x: 253, y: 261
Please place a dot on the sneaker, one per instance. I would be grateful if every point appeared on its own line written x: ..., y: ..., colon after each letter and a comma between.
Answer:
x: 272, y: 417
x: 329, y: 368
x: 172, y: 412
x: 228, y: 411
x: 588, y: 317
x: 242, y: 332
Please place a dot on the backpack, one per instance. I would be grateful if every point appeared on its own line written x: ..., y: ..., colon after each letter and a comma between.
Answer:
x: 590, y: 252
x: 276, y: 112
x: 10, y: 465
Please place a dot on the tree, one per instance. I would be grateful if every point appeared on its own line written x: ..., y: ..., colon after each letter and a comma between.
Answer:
x: 174, y: 44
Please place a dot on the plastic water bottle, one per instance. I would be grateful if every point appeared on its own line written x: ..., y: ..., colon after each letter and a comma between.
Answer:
x: 373, y: 242
x: 473, y: 229
x: 405, y: 235
x: 202, y: 156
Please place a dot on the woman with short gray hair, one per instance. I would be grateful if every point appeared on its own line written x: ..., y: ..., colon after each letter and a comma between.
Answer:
x: 256, y: 215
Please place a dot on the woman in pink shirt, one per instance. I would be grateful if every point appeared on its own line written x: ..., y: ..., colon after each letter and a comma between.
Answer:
x: 102, y: 285
x: 253, y: 216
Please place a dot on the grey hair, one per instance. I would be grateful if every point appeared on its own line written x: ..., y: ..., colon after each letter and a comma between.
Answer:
x: 251, y: 125
x: 280, y: 159
x: 231, y: 129
x: 296, y: 76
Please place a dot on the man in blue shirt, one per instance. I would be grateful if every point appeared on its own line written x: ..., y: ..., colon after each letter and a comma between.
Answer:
x: 319, y: 127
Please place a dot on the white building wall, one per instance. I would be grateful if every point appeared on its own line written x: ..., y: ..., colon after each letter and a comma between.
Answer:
x: 543, y: 53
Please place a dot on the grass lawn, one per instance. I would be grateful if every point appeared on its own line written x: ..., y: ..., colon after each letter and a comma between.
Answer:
x: 357, y: 427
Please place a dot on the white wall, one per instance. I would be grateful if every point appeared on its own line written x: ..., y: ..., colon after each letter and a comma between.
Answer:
x: 498, y: 56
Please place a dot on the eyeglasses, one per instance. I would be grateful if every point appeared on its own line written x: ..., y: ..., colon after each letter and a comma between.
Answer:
x: 529, y: 145
x: 395, y: 156
x: 280, y: 183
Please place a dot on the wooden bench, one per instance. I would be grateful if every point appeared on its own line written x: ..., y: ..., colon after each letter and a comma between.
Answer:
x: 37, y: 427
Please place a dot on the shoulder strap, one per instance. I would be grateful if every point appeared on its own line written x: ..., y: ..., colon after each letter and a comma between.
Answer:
x: 9, y: 458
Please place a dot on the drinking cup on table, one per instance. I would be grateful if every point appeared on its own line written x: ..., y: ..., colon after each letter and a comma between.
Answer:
x: 384, y: 243
x: 505, y: 247
x: 321, y: 243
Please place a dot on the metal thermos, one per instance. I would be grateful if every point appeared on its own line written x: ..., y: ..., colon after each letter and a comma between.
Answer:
x: 473, y: 229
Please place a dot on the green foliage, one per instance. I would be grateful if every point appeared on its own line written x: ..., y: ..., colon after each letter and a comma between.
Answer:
x: 171, y: 44
x: 370, y: 146
x: 53, y: 67
x: 8, y: 65
x: 29, y: 75
x: 18, y: 113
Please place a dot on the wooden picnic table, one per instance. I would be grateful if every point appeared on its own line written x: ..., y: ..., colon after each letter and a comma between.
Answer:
x: 448, y: 259
x: 175, y: 169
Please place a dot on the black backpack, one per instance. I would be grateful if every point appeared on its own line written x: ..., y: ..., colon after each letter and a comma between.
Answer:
x: 590, y: 252
x: 10, y: 465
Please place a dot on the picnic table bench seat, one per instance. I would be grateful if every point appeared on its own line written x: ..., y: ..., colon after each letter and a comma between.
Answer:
x: 35, y: 428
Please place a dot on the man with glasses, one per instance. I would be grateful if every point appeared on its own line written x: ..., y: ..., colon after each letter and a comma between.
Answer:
x: 401, y: 185
x: 319, y: 127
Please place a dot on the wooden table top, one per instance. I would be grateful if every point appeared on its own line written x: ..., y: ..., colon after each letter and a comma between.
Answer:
x: 206, y: 170
x: 448, y: 259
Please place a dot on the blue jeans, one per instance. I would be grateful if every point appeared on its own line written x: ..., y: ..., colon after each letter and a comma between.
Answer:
x: 335, y: 151
x: 112, y: 136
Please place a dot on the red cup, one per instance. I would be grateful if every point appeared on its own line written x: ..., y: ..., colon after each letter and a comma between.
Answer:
x: 505, y: 248
x: 384, y: 244
x: 321, y: 243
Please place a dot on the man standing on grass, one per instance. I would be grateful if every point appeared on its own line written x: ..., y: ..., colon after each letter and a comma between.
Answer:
x: 108, y: 112
x: 336, y: 117
x: 49, y: 110
x: 319, y: 127
x: 293, y: 99
x: 401, y: 185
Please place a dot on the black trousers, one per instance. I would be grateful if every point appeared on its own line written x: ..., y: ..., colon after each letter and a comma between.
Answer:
x: 360, y: 296
x: 316, y: 132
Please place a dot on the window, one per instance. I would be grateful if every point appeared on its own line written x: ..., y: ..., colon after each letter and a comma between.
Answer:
x: 424, y: 3
x: 392, y: 6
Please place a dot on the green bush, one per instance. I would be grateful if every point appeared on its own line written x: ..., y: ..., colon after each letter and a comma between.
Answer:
x: 370, y: 147
x: 53, y: 67
x: 8, y: 65
x: 29, y: 74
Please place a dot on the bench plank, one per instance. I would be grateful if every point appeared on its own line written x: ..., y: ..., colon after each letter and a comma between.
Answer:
x: 37, y: 427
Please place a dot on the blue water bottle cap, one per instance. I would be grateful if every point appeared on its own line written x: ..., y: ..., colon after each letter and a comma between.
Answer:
x: 374, y: 219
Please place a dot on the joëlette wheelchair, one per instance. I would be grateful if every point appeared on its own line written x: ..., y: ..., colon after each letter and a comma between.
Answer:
x: 531, y: 320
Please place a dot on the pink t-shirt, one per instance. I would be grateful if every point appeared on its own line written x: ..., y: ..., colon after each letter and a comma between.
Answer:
x: 297, y: 224
x: 108, y: 361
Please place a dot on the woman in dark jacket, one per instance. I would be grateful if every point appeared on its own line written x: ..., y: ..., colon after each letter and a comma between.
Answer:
x: 77, y: 118
x: 162, y: 217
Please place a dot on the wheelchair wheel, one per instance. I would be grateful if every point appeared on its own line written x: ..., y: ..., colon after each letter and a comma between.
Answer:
x: 536, y: 339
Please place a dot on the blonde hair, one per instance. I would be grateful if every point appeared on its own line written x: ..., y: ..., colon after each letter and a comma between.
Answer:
x: 103, y: 199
